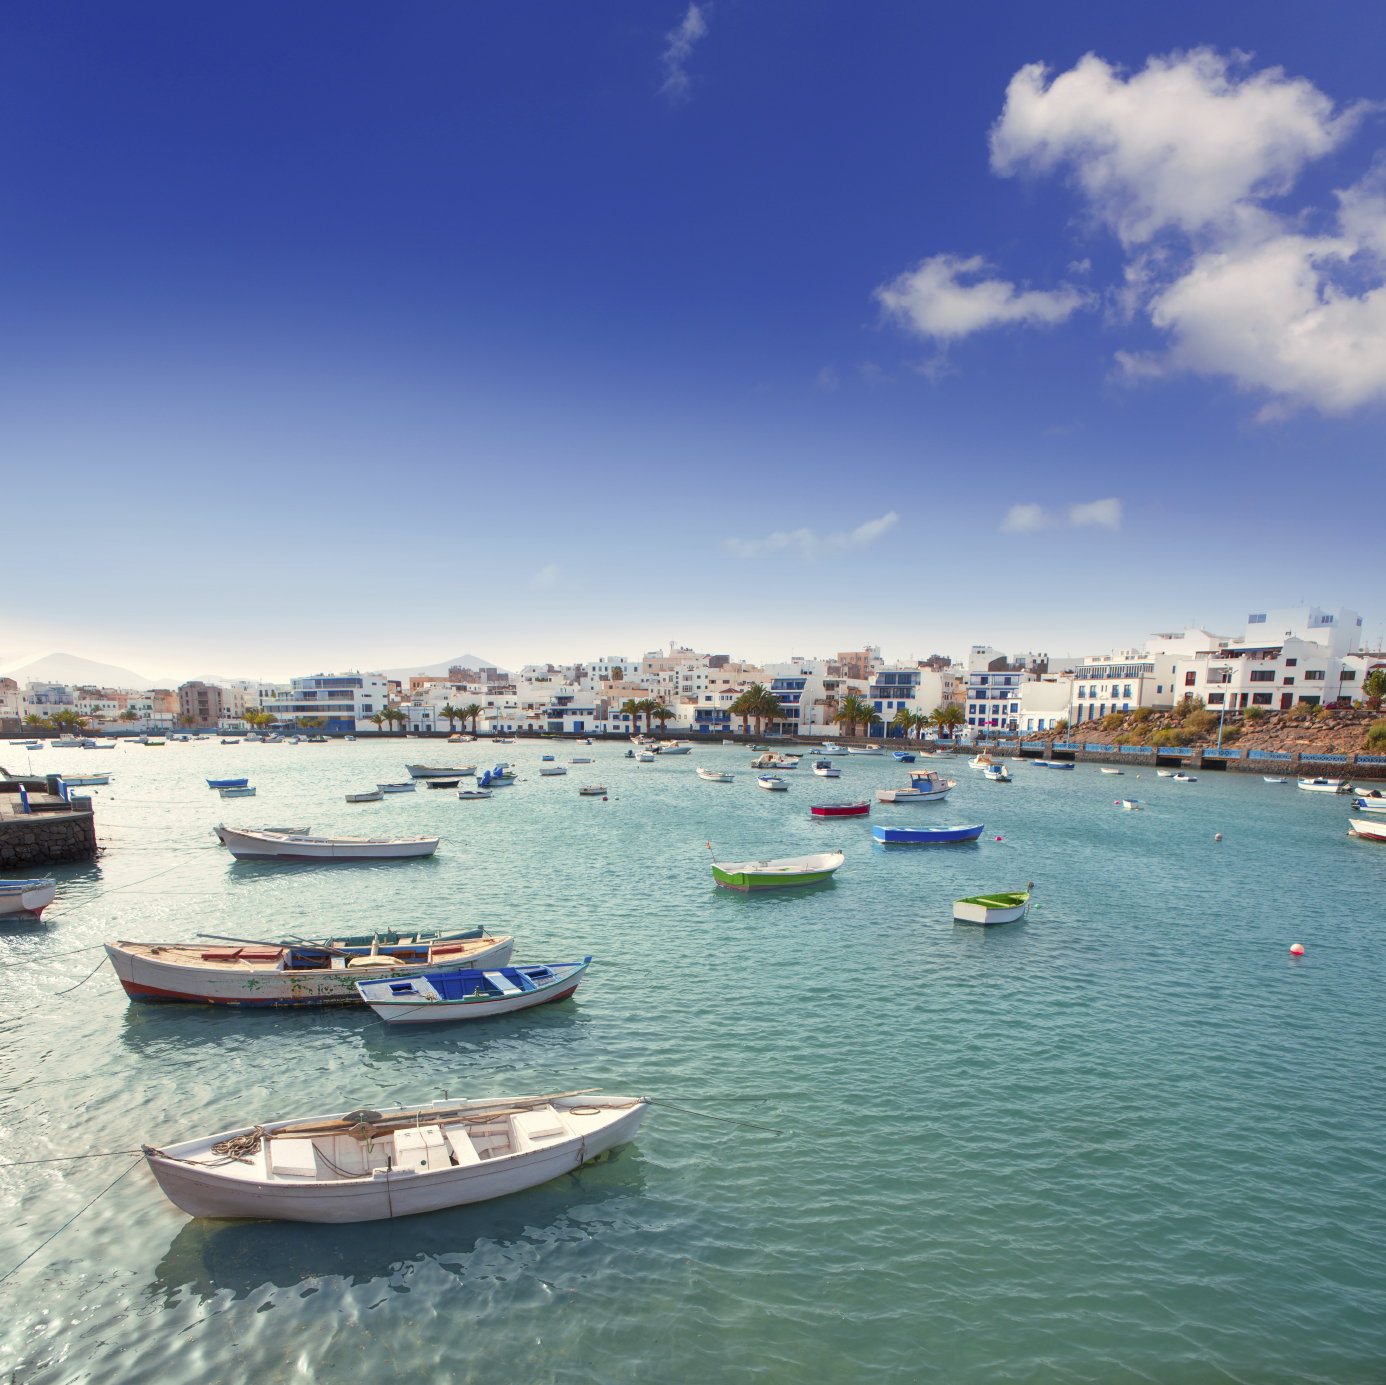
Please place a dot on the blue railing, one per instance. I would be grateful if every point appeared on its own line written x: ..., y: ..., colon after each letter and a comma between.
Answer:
x: 1371, y: 759
x: 1333, y: 759
x: 1135, y: 749
x: 1222, y: 754
x: 1039, y: 745
x: 1269, y: 755
x: 1174, y: 750
x: 1067, y: 745
x: 1096, y: 745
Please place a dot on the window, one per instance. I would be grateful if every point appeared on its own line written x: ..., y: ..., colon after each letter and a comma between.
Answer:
x: 1256, y: 620
x: 1348, y: 675
x: 1190, y: 678
x: 1126, y: 690
x: 1263, y: 675
x: 1314, y: 675
x: 1260, y: 699
x: 1216, y: 699
x: 1291, y: 663
x: 1289, y: 680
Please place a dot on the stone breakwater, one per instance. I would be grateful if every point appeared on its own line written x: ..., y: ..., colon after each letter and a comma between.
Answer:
x: 44, y: 839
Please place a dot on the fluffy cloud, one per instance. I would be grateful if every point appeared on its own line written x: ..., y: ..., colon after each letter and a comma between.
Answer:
x: 679, y: 43
x: 1026, y: 519
x: 1183, y: 143
x: 809, y: 544
x: 1181, y: 161
x: 946, y: 296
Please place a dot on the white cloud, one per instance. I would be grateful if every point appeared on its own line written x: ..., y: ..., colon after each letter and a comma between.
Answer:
x: 811, y: 545
x: 945, y: 296
x: 545, y: 579
x: 1184, y: 143
x: 1025, y: 519
x: 1184, y: 160
x: 1102, y: 514
x: 828, y: 379
x: 678, y: 48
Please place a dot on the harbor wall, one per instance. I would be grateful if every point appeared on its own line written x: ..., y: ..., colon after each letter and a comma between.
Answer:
x: 43, y: 839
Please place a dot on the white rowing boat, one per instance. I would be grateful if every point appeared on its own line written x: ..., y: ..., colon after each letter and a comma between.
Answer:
x: 249, y: 844
x: 368, y: 1165
x: 471, y: 993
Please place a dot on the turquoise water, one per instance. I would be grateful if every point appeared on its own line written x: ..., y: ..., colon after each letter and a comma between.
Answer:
x: 1128, y: 1140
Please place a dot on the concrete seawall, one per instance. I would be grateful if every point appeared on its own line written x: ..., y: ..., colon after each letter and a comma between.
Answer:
x: 44, y: 839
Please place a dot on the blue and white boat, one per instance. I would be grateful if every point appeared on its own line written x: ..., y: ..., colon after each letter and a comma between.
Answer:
x: 1054, y: 764
x: 227, y: 783
x: 924, y: 836
x: 470, y: 994
x: 27, y: 896
x: 906, y: 757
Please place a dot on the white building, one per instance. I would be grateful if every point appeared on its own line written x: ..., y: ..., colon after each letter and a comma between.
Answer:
x: 1121, y: 683
x: 1044, y: 703
x: 993, y: 688
x: 341, y: 700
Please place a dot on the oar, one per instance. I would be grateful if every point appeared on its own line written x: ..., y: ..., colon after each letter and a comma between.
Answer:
x: 405, y: 1117
x: 257, y: 942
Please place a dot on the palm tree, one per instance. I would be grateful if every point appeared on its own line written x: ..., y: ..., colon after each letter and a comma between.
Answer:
x: 656, y: 710
x: 394, y: 716
x: 770, y: 706
x: 948, y: 718
x: 741, y: 707
x: 37, y: 722
x: 128, y: 715
x: 1374, y: 688
x: 451, y: 713
x: 378, y: 719
x: 853, y: 711
x: 904, y: 719
x: 634, y: 710
x: 471, y: 712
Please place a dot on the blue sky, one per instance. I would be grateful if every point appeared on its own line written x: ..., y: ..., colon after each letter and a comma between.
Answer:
x: 340, y: 336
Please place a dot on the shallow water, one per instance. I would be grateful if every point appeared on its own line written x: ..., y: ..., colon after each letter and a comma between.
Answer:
x: 1128, y: 1140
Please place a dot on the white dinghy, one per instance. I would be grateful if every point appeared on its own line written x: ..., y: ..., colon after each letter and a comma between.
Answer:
x: 247, y: 844
x: 369, y: 1165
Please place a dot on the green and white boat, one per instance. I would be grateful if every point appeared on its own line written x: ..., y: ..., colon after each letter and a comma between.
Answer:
x: 783, y: 874
x: 993, y: 908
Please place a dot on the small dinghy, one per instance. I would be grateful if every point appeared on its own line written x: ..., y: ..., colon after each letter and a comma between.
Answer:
x: 373, y: 797
x: 1054, y: 764
x: 785, y: 873
x: 1186, y: 779
x: 439, y: 772
x: 407, y: 787
x: 772, y: 782
x: 247, y: 844
x: 27, y: 896
x: 1319, y: 784
x: 840, y: 810
x: 368, y: 1165
x: 445, y: 783
x: 906, y: 757
x: 926, y: 836
x: 85, y: 781
x: 474, y: 793
x: 592, y: 791
x: 993, y: 908
x: 227, y: 783
x: 546, y: 757
x: 1370, y: 805
x: 1166, y: 773
x: 1368, y: 829
x: 996, y: 774
x: 581, y: 760
x: 1106, y: 769
x: 471, y: 994
x: 825, y: 769
x: 245, y: 791
x: 551, y: 771
x: 1131, y: 805
x: 1273, y: 779
x: 715, y: 776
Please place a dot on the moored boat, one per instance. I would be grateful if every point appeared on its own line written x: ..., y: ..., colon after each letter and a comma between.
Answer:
x: 1365, y: 827
x: 248, y: 844
x: 368, y: 1165
x: 474, y: 793
x: 227, y: 783
x: 1273, y: 779
x: 784, y: 873
x: 442, y: 783
x: 906, y: 757
x: 825, y: 769
x: 1109, y: 769
x: 243, y: 791
x: 267, y: 974
x: 84, y: 781
x: 408, y: 786
x: 438, y: 771
x: 1318, y: 784
x: 1186, y: 779
x: 715, y: 776
x: 472, y: 993
x: 925, y: 836
x: 1370, y: 805
x: 592, y: 791
x: 1131, y: 805
x: 771, y: 782
x: 993, y: 908
x: 997, y: 774
x: 27, y: 896
x: 550, y: 771
x: 840, y: 810
x: 374, y: 796
x: 1054, y: 764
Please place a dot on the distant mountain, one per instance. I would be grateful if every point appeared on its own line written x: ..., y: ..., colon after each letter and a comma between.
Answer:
x: 68, y: 668
x: 438, y: 670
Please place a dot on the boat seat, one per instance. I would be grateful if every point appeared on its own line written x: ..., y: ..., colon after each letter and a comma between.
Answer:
x: 502, y: 983
x: 460, y: 1143
x: 422, y: 1149
x: 293, y: 1158
x: 537, y: 1127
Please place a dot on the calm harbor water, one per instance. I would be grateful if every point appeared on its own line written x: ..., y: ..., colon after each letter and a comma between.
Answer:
x: 1128, y: 1140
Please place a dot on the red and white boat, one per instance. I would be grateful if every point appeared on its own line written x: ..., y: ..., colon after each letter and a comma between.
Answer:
x: 26, y: 896
x: 840, y: 810
x: 1365, y: 827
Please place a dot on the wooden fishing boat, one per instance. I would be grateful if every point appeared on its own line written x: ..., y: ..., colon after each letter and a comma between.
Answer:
x: 1161, y: 773
x: 445, y: 783
x: 580, y: 760
x: 267, y: 974
x: 1186, y: 779
x: 1108, y: 769
x: 85, y: 781
x: 474, y: 793
x: 248, y: 844
x: 227, y: 783
x: 438, y: 772
x: 825, y: 769
x: 369, y: 1165
x: 1054, y: 764
x: 1318, y: 784
x: 471, y: 994
x: 980, y: 761
x: 771, y: 782
x: 373, y: 797
x: 906, y: 757
x: 1131, y: 805
x: 408, y: 786
x: 840, y: 810
x: 785, y: 873
x: 27, y: 896
x: 926, y: 836
x: 550, y: 771
x: 592, y: 791
x: 1365, y: 827
x: 996, y: 774
x: 1273, y: 779
x: 1373, y: 793
x: 1370, y: 805
x: 715, y: 776
x: 993, y: 908
x: 245, y: 791
x: 274, y: 831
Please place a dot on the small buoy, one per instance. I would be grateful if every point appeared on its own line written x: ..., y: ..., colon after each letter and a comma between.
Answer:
x: 998, y: 839
x: 1217, y: 836
x: 1296, y: 949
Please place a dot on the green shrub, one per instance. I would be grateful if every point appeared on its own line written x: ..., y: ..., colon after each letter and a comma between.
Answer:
x: 1142, y: 715
x: 1376, y: 736
x: 1254, y: 714
x: 1171, y: 735
x: 1200, y: 723
x: 1112, y: 721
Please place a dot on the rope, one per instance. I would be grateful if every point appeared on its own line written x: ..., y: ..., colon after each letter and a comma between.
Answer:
x: 70, y: 1220
x: 66, y: 1158
x: 726, y: 1120
x: 51, y: 956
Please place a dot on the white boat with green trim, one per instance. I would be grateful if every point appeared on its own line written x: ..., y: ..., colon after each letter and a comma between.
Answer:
x: 993, y: 908
x: 785, y: 873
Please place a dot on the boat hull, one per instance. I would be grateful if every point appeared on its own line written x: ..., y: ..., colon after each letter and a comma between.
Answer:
x: 749, y: 883
x: 925, y: 836
x: 29, y: 901
x: 386, y: 1194
x: 430, y: 1010
x: 966, y: 911
x: 257, y: 847
x: 151, y: 979
x: 1365, y: 828
x: 840, y: 810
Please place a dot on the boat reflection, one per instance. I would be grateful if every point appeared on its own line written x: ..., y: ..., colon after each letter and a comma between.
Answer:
x: 208, y: 1258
